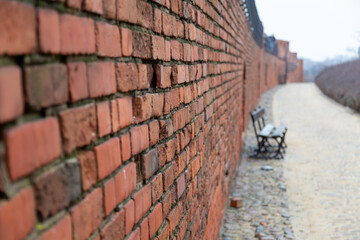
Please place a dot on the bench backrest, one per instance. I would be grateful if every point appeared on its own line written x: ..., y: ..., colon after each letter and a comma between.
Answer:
x: 257, y: 117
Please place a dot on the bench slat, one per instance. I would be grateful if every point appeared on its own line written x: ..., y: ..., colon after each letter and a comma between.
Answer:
x: 266, y: 131
x: 257, y: 113
x: 279, y: 131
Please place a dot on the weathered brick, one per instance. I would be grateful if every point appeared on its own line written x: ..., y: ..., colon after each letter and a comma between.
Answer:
x: 88, y: 169
x: 115, y: 229
x: 167, y: 50
x: 166, y: 128
x: 180, y: 185
x: 172, y: 100
x: 125, y: 147
x: 125, y: 182
x: 127, y: 76
x: 167, y: 24
x: 55, y: 189
x: 155, y: 219
x: 156, y: 188
x: 142, y: 201
x: 157, y: 26
x: 167, y: 203
x: 77, y: 35
x: 125, y: 111
x: 142, y: 107
x: 74, y: 3
x: 174, y: 217
x: 87, y: 215
x: 32, y: 145
x: 101, y: 77
x: 146, y: 73
x: 103, y: 118
x: 108, y: 157
x: 78, y: 84
x: 127, y: 10
x: 126, y: 42
x: 135, y: 235
x: 18, y: 34
x: 164, y: 234
x: 17, y: 216
x: 95, y: 6
x: 144, y: 14
x: 178, y: 74
x: 107, y: 40
x: 158, y: 47
x: 129, y: 216
x: 109, y: 9
x: 144, y: 229
x: 139, y: 139
x: 141, y: 45
x: 153, y: 132
x: 61, y: 230
x: 11, y: 93
x: 157, y: 104
x: 176, y: 50
x: 46, y: 85
x: 109, y: 196
x: 163, y: 76
x: 149, y: 163
x: 49, y: 30
x: 115, y: 117
x: 168, y: 177
x: 78, y: 127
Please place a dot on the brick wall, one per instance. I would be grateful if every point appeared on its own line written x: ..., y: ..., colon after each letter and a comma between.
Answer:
x: 123, y: 118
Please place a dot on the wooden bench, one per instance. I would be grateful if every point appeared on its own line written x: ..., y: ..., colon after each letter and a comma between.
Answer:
x: 266, y: 132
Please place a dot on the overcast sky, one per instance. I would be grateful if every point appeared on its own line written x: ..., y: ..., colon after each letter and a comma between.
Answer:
x: 316, y: 29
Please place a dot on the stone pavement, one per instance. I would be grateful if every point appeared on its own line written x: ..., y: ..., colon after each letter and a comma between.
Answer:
x: 314, y: 192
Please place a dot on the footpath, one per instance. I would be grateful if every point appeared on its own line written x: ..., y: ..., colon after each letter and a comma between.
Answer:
x: 314, y: 192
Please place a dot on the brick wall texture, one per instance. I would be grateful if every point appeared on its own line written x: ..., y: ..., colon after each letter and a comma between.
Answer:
x: 124, y: 118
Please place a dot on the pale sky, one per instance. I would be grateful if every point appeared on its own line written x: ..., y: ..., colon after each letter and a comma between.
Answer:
x: 316, y: 29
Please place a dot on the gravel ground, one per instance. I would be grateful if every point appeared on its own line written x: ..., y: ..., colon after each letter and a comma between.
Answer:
x: 322, y: 167
x: 265, y: 214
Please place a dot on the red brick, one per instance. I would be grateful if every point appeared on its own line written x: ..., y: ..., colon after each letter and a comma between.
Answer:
x: 88, y: 169
x: 78, y: 85
x: 174, y: 218
x: 110, y: 200
x: 115, y: 117
x: 78, y: 127
x: 155, y: 219
x: 180, y: 185
x: 149, y: 163
x: 169, y: 177
x: 74, y: 3
x: 144, y: 14
x: 167, y: 202
x: 158, y: 47
x: 125, y: 182
x: 115, y: 229
x: 146, y: 73
x: 163, y: 76
x: 125, y: 111
x: 144, y: 229
x: 166, y: 128
x: 157, y: 26
x: 126, y: 42
x: 142, y: 108
x: 87, y: 215
x: 11, y: 93
x: 49, y: 30
x: 17, y: 216
x: 164, y: 234
x: 129, y: 216
x: 154, y: 132
x: 176, y: 49
x: 141, y: 45
x: 158, y: 104
x: 109, y: 9
x: 136, y: 235
x: 167, y: 50
x: 103, y: 118
x: 142, y: 201
x: 127, y: 10
x: 46, y: 85
x: 56, y: 188
x: 139, y: 138
x: 168, y: 22
x: 107, y: 39
x: 101, y: 77
x: 125, y: 147
x: 156, y: 188
x: 108, y: 157
x: 95, y: 6
x: 127, y: 76
x: 18, y: 34
x: 31, y: 146
x: 172, y: 100
x: 77, y: 35
x: 178, y: 74
x: 61, y: 230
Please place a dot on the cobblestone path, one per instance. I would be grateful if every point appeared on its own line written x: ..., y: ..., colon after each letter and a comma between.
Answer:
x: 322, y: 165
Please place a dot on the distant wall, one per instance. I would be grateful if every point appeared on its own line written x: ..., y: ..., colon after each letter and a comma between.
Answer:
x: 124, y: 118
